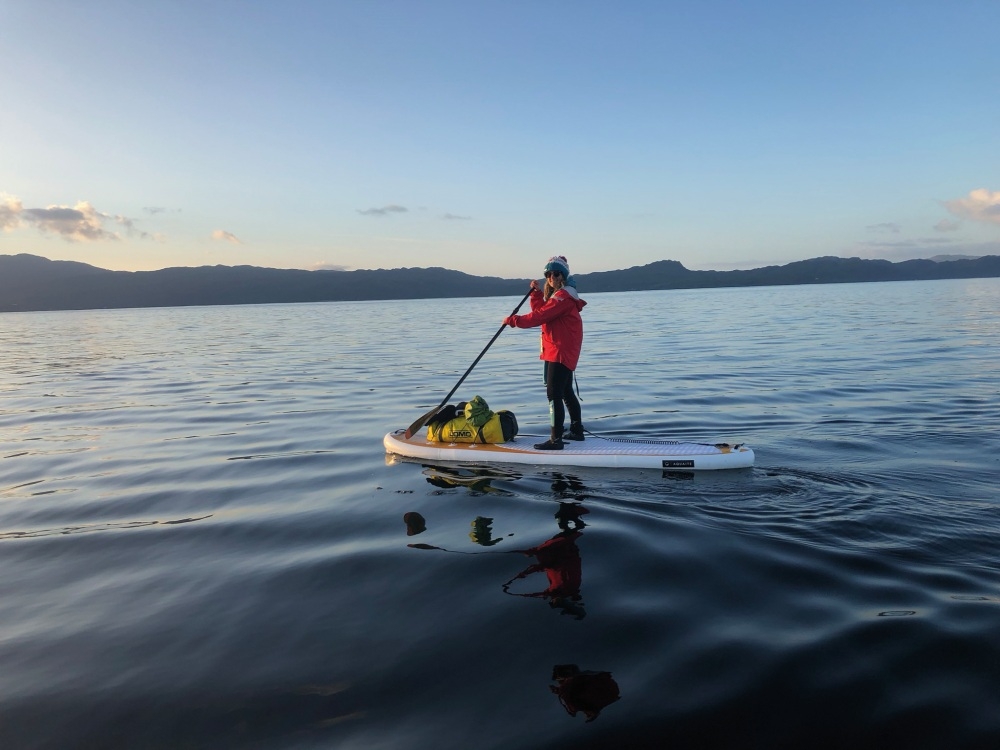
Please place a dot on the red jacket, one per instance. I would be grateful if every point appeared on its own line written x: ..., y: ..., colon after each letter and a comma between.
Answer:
x: 562, y: 326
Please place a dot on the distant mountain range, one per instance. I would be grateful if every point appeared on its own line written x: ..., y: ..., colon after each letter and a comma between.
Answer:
x: 29, y: 282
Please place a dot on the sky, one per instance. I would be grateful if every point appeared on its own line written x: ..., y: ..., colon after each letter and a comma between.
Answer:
x: 486, y: 137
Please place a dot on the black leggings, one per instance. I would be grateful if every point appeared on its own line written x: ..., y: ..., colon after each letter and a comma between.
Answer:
x: 559, y: 388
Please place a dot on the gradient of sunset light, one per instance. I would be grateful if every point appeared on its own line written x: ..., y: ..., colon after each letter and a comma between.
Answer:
x: 487, y: 137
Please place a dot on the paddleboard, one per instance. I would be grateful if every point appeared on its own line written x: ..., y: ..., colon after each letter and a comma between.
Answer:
x: 599, y: 452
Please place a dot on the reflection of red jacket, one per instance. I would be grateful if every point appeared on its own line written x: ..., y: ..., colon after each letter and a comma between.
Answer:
x: 559, y: 557
x: 562, y: 326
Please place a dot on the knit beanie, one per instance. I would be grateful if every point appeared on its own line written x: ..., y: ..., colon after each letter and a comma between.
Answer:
x: 559, y: 264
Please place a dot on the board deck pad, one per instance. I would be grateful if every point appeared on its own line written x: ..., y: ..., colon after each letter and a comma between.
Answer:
x: 595, y: 451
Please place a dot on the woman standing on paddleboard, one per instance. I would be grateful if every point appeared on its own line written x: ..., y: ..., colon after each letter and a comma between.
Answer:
x: 557, y: 311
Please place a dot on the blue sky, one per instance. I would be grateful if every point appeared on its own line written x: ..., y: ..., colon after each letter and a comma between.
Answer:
x: 486, y: 137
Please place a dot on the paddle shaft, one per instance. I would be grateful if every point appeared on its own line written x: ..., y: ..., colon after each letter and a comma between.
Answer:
x: 460, y: 552
x: 420, y: 422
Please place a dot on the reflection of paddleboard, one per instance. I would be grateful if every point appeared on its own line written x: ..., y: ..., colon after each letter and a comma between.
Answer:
x: 611, y: 453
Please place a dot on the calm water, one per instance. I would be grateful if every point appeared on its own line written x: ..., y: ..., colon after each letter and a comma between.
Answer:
x: 203, y: 542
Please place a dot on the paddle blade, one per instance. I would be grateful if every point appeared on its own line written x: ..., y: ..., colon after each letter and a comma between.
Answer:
x: 412, y: 429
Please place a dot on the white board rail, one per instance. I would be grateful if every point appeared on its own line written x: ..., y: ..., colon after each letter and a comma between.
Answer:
x: 598, y: 452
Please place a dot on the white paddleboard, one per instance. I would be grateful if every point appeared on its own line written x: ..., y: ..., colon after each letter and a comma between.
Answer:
x: 609, y: 453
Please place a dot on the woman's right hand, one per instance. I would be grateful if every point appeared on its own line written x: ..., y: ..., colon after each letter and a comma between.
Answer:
x: 534, y: 285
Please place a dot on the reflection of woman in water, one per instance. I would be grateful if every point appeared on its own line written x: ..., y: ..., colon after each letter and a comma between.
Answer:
x: 559, y: 559
x: 586, y: 690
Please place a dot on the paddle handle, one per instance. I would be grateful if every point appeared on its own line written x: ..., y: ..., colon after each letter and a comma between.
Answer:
x: 423, y: 420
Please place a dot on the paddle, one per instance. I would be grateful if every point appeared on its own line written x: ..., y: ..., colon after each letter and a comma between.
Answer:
x: 460, y: 552
x: 420, y: 422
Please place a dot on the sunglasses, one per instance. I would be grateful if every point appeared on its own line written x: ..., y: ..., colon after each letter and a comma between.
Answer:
x: 552, y: 273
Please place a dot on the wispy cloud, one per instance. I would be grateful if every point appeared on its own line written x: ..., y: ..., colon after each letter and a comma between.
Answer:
x: 978, y: 205
x: 887, y: 227
x: 133, y: 231
x: 921, y: 242
x: 223, y: 236
x: 456, y: 217
x: 947, y: 225
x: 384, y: 211
x: 923, y: 247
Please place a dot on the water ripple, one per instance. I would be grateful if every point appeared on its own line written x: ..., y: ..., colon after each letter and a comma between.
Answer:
x: 205, y: 545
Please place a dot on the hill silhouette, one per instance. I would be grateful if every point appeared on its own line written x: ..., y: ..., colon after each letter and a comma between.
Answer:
x: 33, y: 283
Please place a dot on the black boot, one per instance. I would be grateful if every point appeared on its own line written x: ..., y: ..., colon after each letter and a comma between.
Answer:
x: 575, y: 432
x: 554, y: 443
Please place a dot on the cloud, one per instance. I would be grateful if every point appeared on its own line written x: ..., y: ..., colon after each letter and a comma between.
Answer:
x: 10, y: 212
x: 384, y: 211
x: 133, y: 231
x: 883, y: 228
x: 914, y: 244
x: 224, y: 236
x: 947, y: 225
x: 924, y: 247
x: 154, y: 209
x: 323, y: 266
x: 979, y: 205
x: 79, y: 223
x: 456, y: 217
